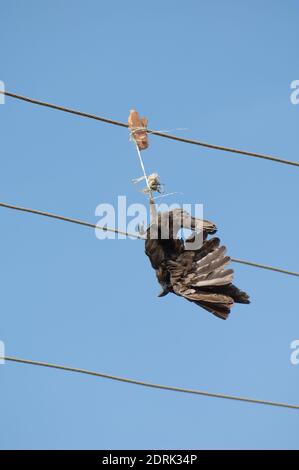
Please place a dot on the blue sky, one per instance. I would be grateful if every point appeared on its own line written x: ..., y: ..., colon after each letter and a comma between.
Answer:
x: 221, y: 69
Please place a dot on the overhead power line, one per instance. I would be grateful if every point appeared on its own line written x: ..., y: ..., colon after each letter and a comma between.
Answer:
x: 133, y: 235
x: 158, y: 133
x: 149, y: 384
x: 68, y: 219
x: 264, y: 266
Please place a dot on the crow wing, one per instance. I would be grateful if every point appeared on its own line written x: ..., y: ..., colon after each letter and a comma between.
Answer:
x: 201, y: 277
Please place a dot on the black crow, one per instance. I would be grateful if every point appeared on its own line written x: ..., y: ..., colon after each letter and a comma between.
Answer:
x: 193, y: 270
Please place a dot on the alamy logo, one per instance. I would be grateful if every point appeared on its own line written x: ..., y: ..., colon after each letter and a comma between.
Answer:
x: 295, y: 354
x: 2, y: 91
x: 295, y: 94
x: 174, y: 221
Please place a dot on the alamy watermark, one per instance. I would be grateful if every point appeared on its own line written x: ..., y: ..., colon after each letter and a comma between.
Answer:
x: 2, y: 95
x: 294, y: 97
x: 294, y: 358
x: 2, y: 352
x: 130, y: 220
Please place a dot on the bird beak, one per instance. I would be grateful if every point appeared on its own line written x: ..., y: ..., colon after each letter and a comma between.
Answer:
x: 190, y: 223
x: 196, y: 224
x: 200, y: 225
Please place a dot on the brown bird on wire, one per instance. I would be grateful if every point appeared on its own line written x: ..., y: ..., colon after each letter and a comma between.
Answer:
x: 193, y: 270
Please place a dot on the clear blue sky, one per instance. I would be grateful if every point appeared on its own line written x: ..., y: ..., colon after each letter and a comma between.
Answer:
x: 223, y: 70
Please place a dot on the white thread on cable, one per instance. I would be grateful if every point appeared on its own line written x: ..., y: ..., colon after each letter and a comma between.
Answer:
x: 143, y: 168
x: 167, y: 194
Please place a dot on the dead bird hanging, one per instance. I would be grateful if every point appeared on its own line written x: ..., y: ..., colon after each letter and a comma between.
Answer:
x: 195, y: 271
x: 199, y: 275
